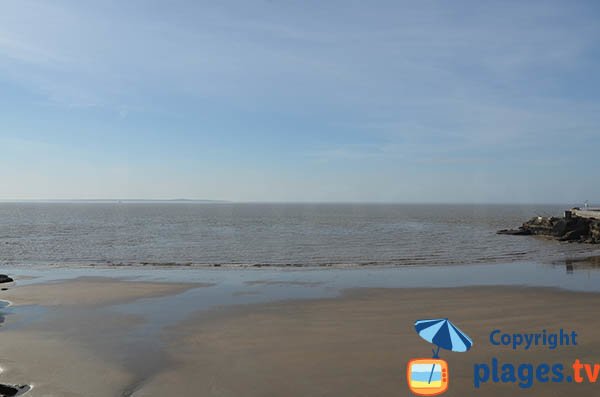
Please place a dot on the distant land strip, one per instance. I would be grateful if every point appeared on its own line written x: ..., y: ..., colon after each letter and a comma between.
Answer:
x: 111, y: 201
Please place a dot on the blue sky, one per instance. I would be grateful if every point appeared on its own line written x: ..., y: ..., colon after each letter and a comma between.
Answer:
x: 424, y: 101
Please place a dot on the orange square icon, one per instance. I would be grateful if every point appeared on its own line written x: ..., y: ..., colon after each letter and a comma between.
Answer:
x: 427, y: 376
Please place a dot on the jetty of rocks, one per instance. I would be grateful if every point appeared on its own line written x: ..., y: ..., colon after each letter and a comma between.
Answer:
x: 577, y: 225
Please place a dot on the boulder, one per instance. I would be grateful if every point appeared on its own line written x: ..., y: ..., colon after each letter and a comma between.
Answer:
x: 594, y: 231
x: 13, y: 391
x: 578, y: 229
x: 540, y: 225
x: 561, y: 227
x: 5, y: 279
x: 514, y: 232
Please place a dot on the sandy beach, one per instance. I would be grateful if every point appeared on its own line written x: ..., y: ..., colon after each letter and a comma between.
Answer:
x: 359, y: 344
x: 92, y: 291
x: 356, y: 344
x: 68, y: 346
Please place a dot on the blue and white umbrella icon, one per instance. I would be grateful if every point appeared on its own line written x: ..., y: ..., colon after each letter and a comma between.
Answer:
x: 442, y: 333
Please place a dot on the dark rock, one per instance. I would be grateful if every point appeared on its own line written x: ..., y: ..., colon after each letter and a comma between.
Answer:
x: 595, y: 231
x: 514, y: 232
x: 573, y: 235
x: 13, y: 391
x: 540, y: 225
x: 578, y: 229
x: 560, y: 228
x: 5, y: 279
x: 8, y: 390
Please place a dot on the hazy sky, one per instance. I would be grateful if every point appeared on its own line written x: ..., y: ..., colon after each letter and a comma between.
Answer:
x: 301, y: 100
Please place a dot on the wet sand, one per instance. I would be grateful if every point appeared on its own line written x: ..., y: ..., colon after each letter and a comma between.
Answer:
x: 356, y: 344
x: 90, y: 291
x: 359, y: 344
x: 70, y: 345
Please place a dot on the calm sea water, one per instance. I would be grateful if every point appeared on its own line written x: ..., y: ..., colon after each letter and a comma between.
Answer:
x: 271, y: 234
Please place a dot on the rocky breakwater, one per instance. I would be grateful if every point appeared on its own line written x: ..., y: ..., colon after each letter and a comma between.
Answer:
x: 568, y: 228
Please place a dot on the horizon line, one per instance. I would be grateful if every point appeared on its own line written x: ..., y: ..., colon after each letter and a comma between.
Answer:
x: 216, y: 201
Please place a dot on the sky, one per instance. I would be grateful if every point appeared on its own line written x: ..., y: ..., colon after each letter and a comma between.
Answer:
x: 382, y: 101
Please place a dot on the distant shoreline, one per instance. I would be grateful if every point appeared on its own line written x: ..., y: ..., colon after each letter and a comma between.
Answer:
x: 116, y: 201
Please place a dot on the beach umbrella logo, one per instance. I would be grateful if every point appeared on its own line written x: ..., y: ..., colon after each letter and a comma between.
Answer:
x: 429, y: 376
x: 443, y: 334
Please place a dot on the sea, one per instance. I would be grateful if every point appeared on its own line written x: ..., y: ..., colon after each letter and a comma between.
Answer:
x: 272, y: 235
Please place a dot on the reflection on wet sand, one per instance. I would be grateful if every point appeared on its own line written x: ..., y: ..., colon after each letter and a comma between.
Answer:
x: 3, y: 313
x: 586, y: 263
